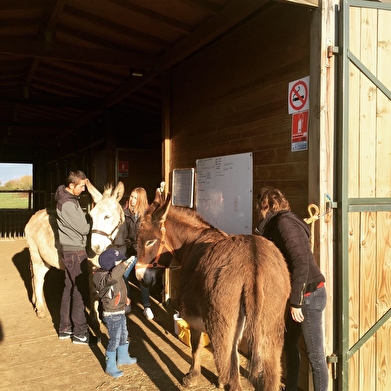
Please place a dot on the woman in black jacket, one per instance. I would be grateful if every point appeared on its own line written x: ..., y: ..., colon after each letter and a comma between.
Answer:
x: 138, y: 203
x: 308, y: 295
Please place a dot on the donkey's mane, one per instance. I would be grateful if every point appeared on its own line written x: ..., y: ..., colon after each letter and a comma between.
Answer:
x: 185, y: 216
x: 108, y: 189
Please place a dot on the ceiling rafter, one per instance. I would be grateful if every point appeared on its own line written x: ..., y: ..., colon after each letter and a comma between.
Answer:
x: 67, y: 62
x: 102, y: 23
x: 233, y: 13
x: 205, y: 5
x: 170, y: 22
x: 31, y: 48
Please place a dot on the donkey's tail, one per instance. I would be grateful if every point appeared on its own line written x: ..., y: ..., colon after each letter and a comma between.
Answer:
x: 266, y: 296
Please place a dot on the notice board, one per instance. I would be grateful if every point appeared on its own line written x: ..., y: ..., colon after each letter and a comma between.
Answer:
x: 224, y: 192
x: 183, y: 187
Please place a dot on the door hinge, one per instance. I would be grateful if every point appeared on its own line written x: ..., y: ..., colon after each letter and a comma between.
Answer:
x: 333, y: 360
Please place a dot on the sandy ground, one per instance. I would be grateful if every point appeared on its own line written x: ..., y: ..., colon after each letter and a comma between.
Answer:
x: 33, y: 358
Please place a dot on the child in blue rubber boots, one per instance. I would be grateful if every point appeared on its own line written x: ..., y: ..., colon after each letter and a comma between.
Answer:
x: 109, y: 283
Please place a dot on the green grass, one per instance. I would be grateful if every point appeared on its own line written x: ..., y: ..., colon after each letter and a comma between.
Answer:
x: 14, y: 201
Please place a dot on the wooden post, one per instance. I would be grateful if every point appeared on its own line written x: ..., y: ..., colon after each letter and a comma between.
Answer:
x: 166, y: 156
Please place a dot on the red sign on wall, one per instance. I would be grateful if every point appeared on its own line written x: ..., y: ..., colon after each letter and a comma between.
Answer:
x: 300, y: 131
x: 123, y: 168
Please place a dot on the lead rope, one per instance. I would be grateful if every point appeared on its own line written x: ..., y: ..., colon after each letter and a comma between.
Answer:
x: 313, y: 211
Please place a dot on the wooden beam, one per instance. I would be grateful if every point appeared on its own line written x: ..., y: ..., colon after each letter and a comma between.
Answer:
x: 204, y: 5
x: 56, y: 11
x: 37, y: 125
x: 82, y: 104
x: 102, y: 23
x: 229, y: 16
x: 62, y: 52
x: 236, y: 11
x: 6, y: 5
x: 173, y: 23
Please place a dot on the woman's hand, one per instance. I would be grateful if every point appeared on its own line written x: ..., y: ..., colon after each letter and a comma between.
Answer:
x: 297, y: 314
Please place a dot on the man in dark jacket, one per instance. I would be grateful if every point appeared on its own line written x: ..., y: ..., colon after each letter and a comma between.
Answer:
x: 308, y: 296
x: 73, y: 229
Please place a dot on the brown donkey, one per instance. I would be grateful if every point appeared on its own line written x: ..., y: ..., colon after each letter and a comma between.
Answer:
x: 229, y: 285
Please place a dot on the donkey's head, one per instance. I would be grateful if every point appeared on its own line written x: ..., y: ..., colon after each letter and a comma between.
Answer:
x: 107, y: 216
x: 153, y: 251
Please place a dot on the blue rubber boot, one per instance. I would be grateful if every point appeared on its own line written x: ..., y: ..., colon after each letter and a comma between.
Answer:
x: 123, y: 355
x: 111, y: 365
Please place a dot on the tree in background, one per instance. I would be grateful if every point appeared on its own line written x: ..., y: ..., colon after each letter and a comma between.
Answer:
x: 22, y: 183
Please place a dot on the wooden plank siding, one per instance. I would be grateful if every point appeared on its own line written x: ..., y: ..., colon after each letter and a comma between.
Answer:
x: 232, y: 98
x: 369, y: 176
x: 383, y: 189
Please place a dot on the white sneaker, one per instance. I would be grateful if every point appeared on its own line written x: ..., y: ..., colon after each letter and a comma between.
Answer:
x: 148, y: 313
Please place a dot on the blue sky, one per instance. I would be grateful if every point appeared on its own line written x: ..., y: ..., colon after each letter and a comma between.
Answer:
x: 10, y: 171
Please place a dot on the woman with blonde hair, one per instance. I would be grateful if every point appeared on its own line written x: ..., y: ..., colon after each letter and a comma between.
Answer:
x: 138, y: 203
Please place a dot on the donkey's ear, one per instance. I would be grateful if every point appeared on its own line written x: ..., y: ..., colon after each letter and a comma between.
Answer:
x: 156, y: 203
x: 119, y: 191
x: 161, y: 213
x: 95, y: 193
x: 167, y: 207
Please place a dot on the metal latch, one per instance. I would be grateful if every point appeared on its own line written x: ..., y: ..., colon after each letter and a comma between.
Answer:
x: 332, y: 50
x: 333, y: 360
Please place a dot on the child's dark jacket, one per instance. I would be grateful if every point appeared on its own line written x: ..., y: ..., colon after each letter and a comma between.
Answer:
x: 111, y: 288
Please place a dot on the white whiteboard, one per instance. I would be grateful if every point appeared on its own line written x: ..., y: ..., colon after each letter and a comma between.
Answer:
x: 224, y: 192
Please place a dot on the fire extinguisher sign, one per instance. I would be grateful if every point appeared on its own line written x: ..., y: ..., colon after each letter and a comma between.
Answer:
x: 298, y: 95
x: 300, y: 131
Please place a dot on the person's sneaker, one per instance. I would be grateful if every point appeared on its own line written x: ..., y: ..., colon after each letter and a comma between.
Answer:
x: 148, y: 313
x: 65, y: 334
x: 85, y: 340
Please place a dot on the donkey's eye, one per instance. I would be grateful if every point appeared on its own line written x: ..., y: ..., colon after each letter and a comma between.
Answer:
x: 150, y: 243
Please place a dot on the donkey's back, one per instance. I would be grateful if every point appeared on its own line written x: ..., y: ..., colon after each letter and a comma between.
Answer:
x: 41, y: 233
x: 240, y: 284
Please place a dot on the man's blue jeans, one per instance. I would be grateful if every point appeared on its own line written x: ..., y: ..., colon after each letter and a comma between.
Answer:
x: 118, y: 332
x: 312, y: 330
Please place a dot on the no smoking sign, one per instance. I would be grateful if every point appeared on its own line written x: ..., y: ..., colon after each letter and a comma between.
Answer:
x: 298, y: 95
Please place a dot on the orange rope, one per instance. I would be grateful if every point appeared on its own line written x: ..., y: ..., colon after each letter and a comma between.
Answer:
x: 313, y: 211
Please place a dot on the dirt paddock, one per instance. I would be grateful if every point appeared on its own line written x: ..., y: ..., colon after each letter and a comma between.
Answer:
x: 33, y: 358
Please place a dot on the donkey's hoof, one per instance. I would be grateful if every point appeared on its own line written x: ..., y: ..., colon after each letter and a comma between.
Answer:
x: 40, y: 313
x: 189, y: 380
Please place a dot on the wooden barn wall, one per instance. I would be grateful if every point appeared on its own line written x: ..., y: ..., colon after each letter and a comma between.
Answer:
x: 145, y: 170
x: 232, y: 98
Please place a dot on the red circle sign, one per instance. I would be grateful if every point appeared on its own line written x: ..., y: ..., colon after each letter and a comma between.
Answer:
x: 298, y: 95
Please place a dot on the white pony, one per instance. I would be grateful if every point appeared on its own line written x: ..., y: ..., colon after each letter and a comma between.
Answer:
x: 41, y: 233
